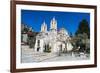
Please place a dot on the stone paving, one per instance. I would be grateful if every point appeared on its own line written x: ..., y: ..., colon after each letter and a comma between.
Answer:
x: 28, y: 55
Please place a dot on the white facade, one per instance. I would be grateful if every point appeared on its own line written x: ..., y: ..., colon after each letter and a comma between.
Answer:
x: 53, y: 40
x: 25, y: 36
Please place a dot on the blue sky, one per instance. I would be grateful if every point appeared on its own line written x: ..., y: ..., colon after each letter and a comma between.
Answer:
x: 67, y: 20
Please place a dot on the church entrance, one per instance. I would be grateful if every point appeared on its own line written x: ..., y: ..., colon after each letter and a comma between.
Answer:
x: 47, y: 48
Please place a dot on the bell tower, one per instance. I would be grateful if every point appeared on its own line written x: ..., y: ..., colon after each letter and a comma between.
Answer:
x: 44, y: 27
x: 53, y: 24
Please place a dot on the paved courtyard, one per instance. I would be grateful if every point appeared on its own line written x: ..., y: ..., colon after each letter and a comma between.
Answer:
x: 28, y: 55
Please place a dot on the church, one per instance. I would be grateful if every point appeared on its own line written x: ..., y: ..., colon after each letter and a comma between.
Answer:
x: 53, y: 40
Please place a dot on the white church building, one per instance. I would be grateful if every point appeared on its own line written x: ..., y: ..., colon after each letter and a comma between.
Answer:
x: 53, y: 39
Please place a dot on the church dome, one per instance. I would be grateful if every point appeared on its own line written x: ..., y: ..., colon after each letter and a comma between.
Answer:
x: 63, y: 31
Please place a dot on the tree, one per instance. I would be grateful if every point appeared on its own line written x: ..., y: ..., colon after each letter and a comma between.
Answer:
x: 32, y: 38
x: 83, y: 35
x: 83, y: 28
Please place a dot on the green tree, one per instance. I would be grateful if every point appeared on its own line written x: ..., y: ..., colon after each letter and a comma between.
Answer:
x: 83, y: 35
x: 83, y: 28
